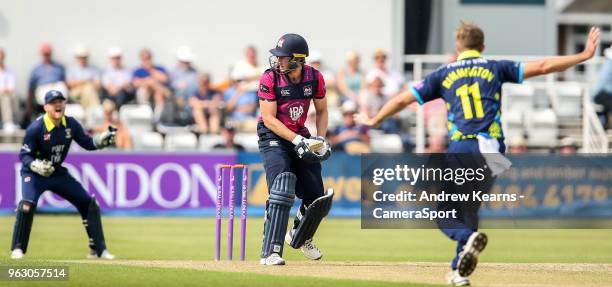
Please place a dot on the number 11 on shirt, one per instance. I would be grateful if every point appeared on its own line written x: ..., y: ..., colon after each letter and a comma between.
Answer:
x: 464, y: 92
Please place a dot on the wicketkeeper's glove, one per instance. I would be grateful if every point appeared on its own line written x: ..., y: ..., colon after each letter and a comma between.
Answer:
x: 106, y: 138
x: 42, y: 167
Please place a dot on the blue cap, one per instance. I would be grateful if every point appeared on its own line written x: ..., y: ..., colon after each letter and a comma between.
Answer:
x: 52, y: 95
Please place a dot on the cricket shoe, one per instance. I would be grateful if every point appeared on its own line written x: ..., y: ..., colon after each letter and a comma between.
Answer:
x: 272, y: 259
x: 454, y: 279
x: 105, y: 255
x: 17, y: 253
x: 468, y: 258
x: 309, y: 249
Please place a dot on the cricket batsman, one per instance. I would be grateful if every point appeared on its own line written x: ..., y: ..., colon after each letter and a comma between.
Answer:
x: 471, y: 88
x: 291, y: 156
x: 45, y: 146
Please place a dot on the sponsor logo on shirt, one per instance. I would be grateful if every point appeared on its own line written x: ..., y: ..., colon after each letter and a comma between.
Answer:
x: 295, y: 112
x: 273, y: 143
x: 285, y: 92
x: 263, y: 88
x: 26, y: 148
x: 308, y: 91
x: 47, y: 136
x: 68, y: 133
x: 27, y: 179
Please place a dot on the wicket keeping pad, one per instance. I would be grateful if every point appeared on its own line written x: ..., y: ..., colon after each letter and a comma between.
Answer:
x: 23, y: 225
x: 313, y: 216
x: 93, y: 225
x: 282, y: 195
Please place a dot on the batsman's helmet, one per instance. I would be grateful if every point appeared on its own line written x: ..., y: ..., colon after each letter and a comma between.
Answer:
x: 290, y: 45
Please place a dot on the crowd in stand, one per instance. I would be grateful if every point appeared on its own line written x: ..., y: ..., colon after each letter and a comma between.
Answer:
x: 185, y: 96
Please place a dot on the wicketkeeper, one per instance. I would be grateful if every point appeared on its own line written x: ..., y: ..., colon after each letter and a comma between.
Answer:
x: 45, y: 146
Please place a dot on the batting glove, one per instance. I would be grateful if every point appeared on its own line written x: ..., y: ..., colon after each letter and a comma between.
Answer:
x: 304, y: 151
x: 325, y: 146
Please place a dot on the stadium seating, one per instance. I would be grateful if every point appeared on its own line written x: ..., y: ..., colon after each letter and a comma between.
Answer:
x: 207, y: 142
x: 518, y: 97
x: 165, y: 129
x: 137, y: 117
x: 541, y: 110
x: 147, y: 141
x: 542, y: 129
x: 569, y: 99
x: 181, y: 142
x: 514, y: 124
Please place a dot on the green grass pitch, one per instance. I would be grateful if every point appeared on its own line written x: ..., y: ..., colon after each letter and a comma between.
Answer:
x: 151, y: 238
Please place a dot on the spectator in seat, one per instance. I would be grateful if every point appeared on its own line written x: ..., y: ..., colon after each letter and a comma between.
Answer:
x: 111, y: 117
x: 373, y: 98
x: 228, y: 132
x: 240, y: 102
x: 151, y: 82
x: 351, y: 78
x: 315, y: 60
x: 249, y: 68
x: 184, y: 78
x: 46, y: 76
x: 392, y: 79
x: 349, y: 136
x: 83, y: 80
x: 8, y: 100
x: 117, y: 80
x: 205, y: 106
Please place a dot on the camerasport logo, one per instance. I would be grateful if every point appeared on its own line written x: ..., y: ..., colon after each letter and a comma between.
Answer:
x: 296, y: 111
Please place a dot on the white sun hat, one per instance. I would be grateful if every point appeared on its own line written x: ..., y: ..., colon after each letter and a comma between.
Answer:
x: 185, y: 54
x: 114, y: 51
